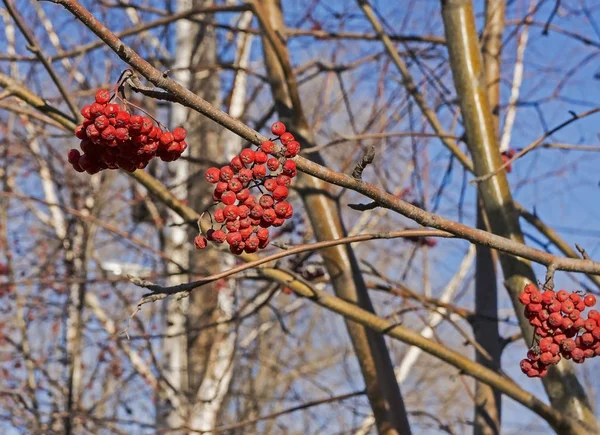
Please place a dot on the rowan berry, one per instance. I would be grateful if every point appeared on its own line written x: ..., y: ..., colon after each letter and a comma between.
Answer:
x: 259, y: 172
x: 200, y: 242
x: 289, y: 168
x: 292, y: 149
x: 589, y: 300
x: 236, y: 163
x: 219, y: 236
x: 286, y: 137
x: 228, y: 198
x: 102, y: 96
x: 280, y: 193
x: 273, y: 164
x: 567, y: 306
x: 260, y: 157
x: 267, y: 147
x: 278, y: 128
x: 247, y: 156
x: 179, y: 134
x: 562, y: 295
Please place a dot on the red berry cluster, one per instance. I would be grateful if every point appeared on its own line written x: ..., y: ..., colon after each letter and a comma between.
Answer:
x: 112, y: 138
x: 245, y: 217
x: 560, y: 327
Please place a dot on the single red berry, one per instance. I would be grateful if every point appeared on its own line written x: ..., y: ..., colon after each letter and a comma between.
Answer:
x: 262, y: 234
x: 292, y: 149
x: 593, y: 314
x: 111, y: 110
x: 596, y: 333
x: 266, y: 201
x: 548, y: 297
x: 226, y: 173
x: 122, y: 118
x: 568, y: 345
x: 578, y: 324
x: 231, y: 212
x: 555, y: 320
x: 286, y: 137
x: 278, y: 128
x: 228, y: 198
x: 562, y: 295
x: 235, y: 185
x: 589, y: 300
x: 243, y: 195
x: 524, y: 298
x: 102, y: 96
x: 85, y: 112
x: 554, y: 306
x: 179, y: 134
x: 101, y: 122
x: 246, y: 222
x: 566, y: 323
x: 270, y: 184
x: 166, y: 138
x: 590, y: 325
x: 108, y: 133
x: 273, y: 164
x: 577, y: 355
x: 236, y: 163
x: 289, y: 168
x: 534, y: 308
x: 243, y: 211
x: 91, y: 131
x: 136, y: 122
x: 221, y: 187
x: 281, y: 209
x: 575, y: 315
x: 546, y: 358
x: 587, y: 339
x: 580, y: 306
x: 80, y: 132
x: 574, y: 297
x: 247, y: 156
x: 567, y: 306
x: 245, y: 175
x: 529, y: 288
x: 256, y: 212
x: 259, y: 171
x: 267, y: 147
x: 252, y: 243
x: 233, y: 226
x: 290, y: 212
x: 219, y: 236
x: 280, y: 193
x: 283, y: 180
x: 73, y: 156
x: 213, y: 175
x: 246, y: 232
x: 269, y: 215
x: 559, y: 338
x: 260, y: 157
x: 525, y: 365
x: 200, y: 242
x: 234, y: 238
x: 534, y: 356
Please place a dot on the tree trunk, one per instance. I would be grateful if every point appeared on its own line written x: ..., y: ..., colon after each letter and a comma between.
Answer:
x: 563, y: 388
x: 370, y: 348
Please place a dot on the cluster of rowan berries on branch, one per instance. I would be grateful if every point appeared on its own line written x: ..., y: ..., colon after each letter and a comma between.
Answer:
x: 244, y: 218
x: 113, y: 138
x: 560, y: 327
